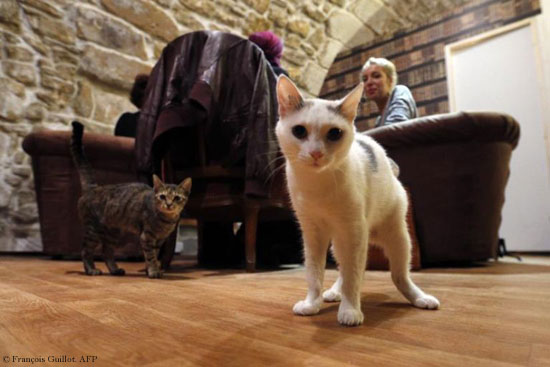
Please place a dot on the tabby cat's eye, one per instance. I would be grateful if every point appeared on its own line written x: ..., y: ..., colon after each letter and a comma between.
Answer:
x: 334, y: 134
x: 177, y: 198
x: 299, y: 131
x: 162, y: 197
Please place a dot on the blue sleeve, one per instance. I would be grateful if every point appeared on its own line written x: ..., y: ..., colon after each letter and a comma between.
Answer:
x: 401, y: 108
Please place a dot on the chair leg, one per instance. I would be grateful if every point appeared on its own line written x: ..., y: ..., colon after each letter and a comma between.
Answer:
x: 251, y: 225
x: 166, y: 253
x: 201, y: 256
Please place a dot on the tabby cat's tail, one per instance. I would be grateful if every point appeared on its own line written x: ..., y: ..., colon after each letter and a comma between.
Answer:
x: 81, y: 162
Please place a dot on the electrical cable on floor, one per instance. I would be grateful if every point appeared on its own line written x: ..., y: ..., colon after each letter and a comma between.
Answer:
x: 502, y: 251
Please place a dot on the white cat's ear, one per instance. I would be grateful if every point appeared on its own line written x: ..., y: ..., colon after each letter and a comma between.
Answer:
x: 157, y: 183
x: 348, y: 105
x: 289, y: 97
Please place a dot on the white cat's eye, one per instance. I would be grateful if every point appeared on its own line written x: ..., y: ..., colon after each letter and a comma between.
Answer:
x: 334, y: 134
x: 299, y: 131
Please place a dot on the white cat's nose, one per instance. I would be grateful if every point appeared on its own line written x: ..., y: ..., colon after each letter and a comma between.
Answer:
x: 316, y: 154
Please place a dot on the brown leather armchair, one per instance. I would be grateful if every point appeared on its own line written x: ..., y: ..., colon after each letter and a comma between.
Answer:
x: 58, y: 186
x: 455, y: 167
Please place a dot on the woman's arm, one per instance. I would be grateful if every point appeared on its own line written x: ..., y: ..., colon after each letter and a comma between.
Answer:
x: 401, y: 106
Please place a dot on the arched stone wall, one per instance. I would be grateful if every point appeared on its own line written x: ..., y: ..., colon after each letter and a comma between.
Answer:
x: 66, y: 59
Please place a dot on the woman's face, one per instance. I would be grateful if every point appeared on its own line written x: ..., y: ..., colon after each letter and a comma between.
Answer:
x: 376, y: 83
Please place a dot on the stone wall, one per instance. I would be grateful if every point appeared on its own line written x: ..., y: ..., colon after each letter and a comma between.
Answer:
x: 63, y: 60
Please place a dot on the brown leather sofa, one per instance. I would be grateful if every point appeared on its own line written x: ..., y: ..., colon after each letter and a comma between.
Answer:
x: 455, y: 167
x: 58, y: 187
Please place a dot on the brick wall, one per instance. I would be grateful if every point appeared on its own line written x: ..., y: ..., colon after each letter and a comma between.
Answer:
x: 419, y: 54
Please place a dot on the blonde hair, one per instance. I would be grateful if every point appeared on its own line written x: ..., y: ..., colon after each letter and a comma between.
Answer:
x: 387, y: 66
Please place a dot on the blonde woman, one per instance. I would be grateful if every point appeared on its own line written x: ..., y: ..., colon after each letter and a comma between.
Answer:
x: 395, y: 102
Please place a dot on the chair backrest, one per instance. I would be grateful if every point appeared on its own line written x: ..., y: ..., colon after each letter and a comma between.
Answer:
x: 215, y: 185
x: 222, y: 83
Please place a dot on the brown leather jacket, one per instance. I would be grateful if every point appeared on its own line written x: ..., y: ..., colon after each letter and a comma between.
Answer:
x: 223, y: 82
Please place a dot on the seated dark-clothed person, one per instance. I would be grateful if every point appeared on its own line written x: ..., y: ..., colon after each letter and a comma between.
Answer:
x: 127, y: 122
x: 272, y: 46
x: 395, y: 102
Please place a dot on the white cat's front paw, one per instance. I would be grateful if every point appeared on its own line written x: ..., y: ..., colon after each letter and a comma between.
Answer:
x: 305, y: 308
x: 350, y: 317
x: 426, y: 301
x: 331, y: 295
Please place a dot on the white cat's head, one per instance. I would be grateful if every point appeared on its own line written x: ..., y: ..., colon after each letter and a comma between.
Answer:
x: 315, y: 133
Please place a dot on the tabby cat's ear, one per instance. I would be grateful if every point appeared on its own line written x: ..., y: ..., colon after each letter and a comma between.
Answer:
x: 157, y: 183
x: 185, y: 185
x: 289, y: 97
x: 348, y: 105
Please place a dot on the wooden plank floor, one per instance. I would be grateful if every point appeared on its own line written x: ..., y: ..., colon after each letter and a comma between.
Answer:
x: 492, y: 315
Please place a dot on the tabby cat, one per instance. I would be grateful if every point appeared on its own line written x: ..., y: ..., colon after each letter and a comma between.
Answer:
x: 108, y: 210
x: 344, y: 190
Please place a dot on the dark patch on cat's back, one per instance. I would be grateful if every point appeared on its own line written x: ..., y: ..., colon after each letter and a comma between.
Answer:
x: 370, y: 153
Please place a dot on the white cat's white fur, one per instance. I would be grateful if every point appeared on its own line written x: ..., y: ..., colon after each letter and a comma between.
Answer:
x: 344, y: 192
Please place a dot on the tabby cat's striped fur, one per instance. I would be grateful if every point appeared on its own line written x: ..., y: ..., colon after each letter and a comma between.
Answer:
x: 108, y: 210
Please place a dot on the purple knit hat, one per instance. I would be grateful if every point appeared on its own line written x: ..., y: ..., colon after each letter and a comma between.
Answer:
x: 270, y: 44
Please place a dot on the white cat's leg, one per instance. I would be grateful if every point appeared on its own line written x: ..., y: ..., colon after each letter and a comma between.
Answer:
x: 351, y: 253
x: 396, y: 242
x: 316, y: 242
x: 334, y: 294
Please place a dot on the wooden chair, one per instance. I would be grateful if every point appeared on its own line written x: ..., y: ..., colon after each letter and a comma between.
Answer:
x: 218, y: 194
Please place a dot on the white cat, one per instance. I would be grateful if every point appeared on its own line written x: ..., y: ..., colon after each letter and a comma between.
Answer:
x: 344, y: 192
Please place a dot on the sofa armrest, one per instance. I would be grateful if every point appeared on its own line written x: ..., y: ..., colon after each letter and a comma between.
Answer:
x: 103, y: 151
x: 449, y: 128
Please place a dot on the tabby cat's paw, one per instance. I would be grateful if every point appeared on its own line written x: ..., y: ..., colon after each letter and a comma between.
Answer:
x: 118, y: 271
x: 305, y: 308
x: 332, y: 296
x: 426, y: 301
x: 350, y: 317
x: 93, y: 272
x: 154, y: 274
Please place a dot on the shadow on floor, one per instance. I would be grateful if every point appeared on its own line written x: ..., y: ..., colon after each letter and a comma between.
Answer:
x: 527, y: 264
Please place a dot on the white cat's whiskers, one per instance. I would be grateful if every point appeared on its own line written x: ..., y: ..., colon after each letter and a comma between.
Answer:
x: 275, y: 162
x: 273, y: 166
x: 274, y: 172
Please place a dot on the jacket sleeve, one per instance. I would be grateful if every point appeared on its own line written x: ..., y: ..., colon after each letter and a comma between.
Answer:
x: 147, y: 122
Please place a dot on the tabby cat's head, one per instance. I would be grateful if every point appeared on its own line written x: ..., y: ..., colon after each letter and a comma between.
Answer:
x: 315, y: 133
x: 171, y: 199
